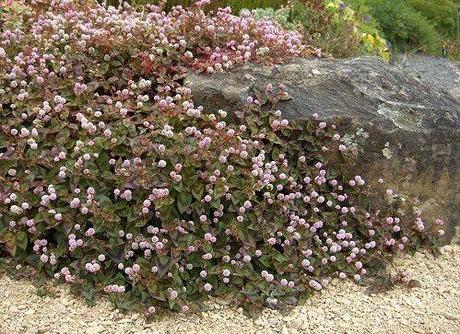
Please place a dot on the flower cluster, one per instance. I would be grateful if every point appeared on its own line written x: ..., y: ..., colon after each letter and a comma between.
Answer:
x: 113, y: 180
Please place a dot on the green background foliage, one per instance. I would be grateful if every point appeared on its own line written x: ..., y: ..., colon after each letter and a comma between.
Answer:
x: 416, y: 25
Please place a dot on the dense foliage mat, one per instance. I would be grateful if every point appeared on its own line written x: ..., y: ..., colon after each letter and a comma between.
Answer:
x: 112, y: 180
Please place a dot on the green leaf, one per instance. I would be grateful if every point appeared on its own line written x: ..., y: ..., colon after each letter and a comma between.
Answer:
x: 21, y: 240
x: 198, y: 190
x: 104, y: 68
x: 105, y: 202
x: 183, y: 201
x: 171, y: 303
x: 132, y: 215
x: 140, y: 223
x: 9, y: 239
x: 219, y: 190
x: 102, y: 162
x: 278, y: 256
x: 179, y: 187
x: 265, y: 260
x: 245, y: 236
x: 87, y: 291
x: 162, y: 202
x: 274, y: 138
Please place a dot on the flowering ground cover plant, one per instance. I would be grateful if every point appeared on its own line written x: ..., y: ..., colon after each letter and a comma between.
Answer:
x: 113, y: 181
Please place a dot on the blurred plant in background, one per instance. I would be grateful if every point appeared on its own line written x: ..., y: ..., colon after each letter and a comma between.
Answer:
x: 407, y: 28
x: 368, y: 30
x: 440, y: 12
x: 417, y: 25
x: 445, y: 14
x: 332, y: 26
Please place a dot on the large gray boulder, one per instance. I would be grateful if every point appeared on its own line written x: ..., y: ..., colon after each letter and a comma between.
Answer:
x: 440, y: 72
x: 406, y: 130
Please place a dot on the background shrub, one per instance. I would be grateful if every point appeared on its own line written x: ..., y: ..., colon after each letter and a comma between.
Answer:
x: 331, y: 26
x: 405, y: 27
x: 442, y: 13
x: 416, y: 25
x: 333, y: 33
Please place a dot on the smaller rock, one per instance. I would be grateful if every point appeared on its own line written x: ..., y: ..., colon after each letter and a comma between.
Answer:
x: 30, y: 311
x: 314, y: 71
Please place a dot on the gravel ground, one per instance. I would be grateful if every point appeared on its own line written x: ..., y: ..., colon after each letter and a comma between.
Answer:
x: 440, y: 72
x: 433, y: 307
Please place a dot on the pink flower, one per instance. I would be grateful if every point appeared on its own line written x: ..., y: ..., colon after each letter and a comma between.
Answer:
x: 79, y: 88
x: 90, y: 232
x: 207, y: 256
x: 315, y: 285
